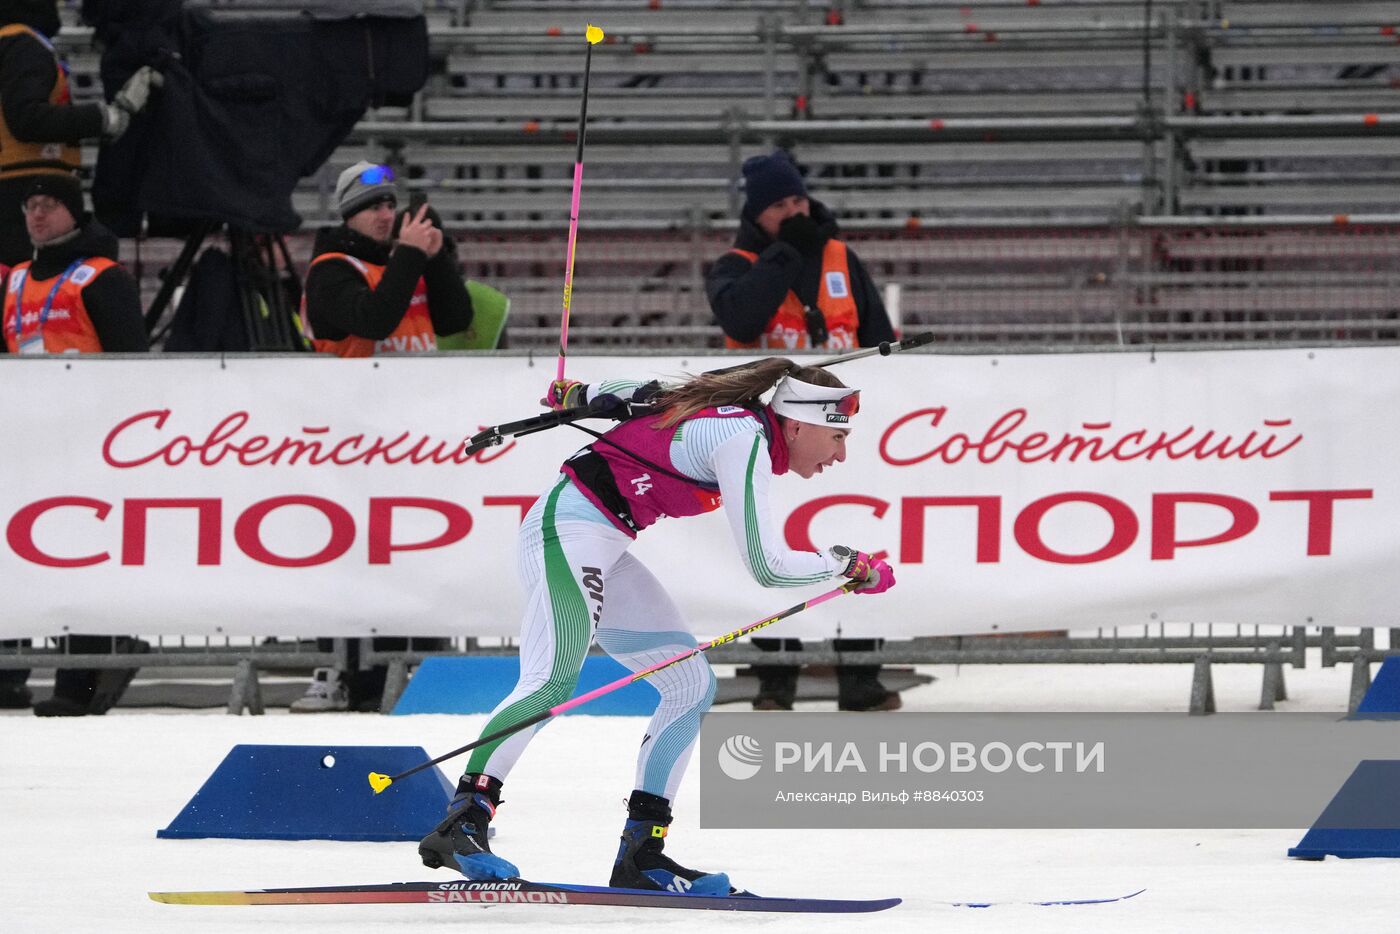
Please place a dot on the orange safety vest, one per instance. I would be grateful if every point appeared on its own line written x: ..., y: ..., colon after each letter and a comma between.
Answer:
x: 787, y: 329
x: 413, y: 335
x: 66, y: 328
x: 17, y: 157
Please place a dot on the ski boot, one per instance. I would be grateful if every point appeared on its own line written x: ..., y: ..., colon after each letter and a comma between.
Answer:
x: 640, y: 863
x: 461, y: 840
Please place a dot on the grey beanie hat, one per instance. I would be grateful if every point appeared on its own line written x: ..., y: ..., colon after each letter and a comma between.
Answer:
x: 353, y: 193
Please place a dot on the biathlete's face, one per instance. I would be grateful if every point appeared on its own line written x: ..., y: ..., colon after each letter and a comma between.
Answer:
x: 772, y: 217
x: 813, y: 448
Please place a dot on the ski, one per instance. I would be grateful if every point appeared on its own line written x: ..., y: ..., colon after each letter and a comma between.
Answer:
x: 1059, y: 901
x: 518, y: 892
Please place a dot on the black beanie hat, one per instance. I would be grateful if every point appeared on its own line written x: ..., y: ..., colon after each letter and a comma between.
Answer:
x: 769, y: 179
x: 63, y: 188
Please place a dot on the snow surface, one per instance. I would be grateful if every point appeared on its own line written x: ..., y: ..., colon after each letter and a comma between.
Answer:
x: 81, y: 800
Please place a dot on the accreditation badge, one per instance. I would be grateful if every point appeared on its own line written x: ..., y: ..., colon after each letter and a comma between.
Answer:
x: 836, y: 285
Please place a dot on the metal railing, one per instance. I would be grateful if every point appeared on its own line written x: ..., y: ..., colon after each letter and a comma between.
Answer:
x: 244, y: 660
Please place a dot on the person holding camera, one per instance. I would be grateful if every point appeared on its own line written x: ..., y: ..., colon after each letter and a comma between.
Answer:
x: 789, y: 283
x: 370, y: 292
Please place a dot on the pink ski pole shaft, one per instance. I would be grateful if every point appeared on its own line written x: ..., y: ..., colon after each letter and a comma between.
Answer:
x: 594, y: 36
x: 380, y: 781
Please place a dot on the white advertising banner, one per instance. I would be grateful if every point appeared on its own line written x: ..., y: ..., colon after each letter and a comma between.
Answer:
x: 317, y: 497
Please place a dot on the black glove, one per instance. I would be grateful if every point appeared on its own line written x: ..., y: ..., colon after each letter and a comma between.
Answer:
x: 608, y: 405
x: 802, y: 234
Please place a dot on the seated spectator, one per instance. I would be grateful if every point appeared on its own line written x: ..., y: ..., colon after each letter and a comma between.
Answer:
x: 72, y: 297
x: 369, y: 293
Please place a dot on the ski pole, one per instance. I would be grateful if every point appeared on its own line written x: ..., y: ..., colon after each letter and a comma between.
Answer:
x: 379, y: 781
x: 884, y: 349
x: 594, y: 35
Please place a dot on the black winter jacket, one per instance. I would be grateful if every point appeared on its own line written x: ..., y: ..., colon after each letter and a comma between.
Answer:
x: 28, y: 71
x: 744, y: 296
x: 340, y: 304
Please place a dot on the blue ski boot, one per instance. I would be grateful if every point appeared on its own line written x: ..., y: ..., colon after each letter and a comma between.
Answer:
x: 461, y: 840
x: 641, y: 864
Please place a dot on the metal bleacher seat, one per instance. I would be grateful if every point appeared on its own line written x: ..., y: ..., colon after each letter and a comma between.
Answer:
x: 626, y: 21
x: 604, y: 104
x: 1297, y: 96
x: 623, y: 63
x: 1261, y: 14
x: 869, y: 102
x: 1279, y: 61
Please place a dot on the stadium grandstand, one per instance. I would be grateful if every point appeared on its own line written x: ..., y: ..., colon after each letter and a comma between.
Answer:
x: 1084, y: 172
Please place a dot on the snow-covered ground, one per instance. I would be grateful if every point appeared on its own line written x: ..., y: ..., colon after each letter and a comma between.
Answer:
x: 81, y: 800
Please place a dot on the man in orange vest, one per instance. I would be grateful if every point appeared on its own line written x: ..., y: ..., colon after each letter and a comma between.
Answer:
x: 40, y: 126
x: 72, y: 297
x: 368, y: 293
x: 789, y: 283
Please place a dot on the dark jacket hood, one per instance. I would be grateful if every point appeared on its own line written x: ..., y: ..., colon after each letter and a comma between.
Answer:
x: 341, y: 239
x: 36, y: 14
x: 751, y: 237
x: 92, y: 240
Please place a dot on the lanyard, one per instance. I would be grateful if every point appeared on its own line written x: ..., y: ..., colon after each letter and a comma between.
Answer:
x: 48, y: 302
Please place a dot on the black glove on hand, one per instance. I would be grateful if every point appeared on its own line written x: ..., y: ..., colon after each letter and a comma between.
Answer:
x: 607, y: 405
x: 802, y: 234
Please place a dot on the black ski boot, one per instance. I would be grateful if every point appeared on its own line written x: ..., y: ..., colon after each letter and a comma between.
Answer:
x: 641, y: 864
x: 461, y: 841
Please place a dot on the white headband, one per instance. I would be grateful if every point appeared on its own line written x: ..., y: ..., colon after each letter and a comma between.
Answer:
x: 815, y: 405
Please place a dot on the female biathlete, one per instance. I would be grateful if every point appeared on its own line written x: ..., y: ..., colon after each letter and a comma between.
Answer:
x: 709, y: 441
